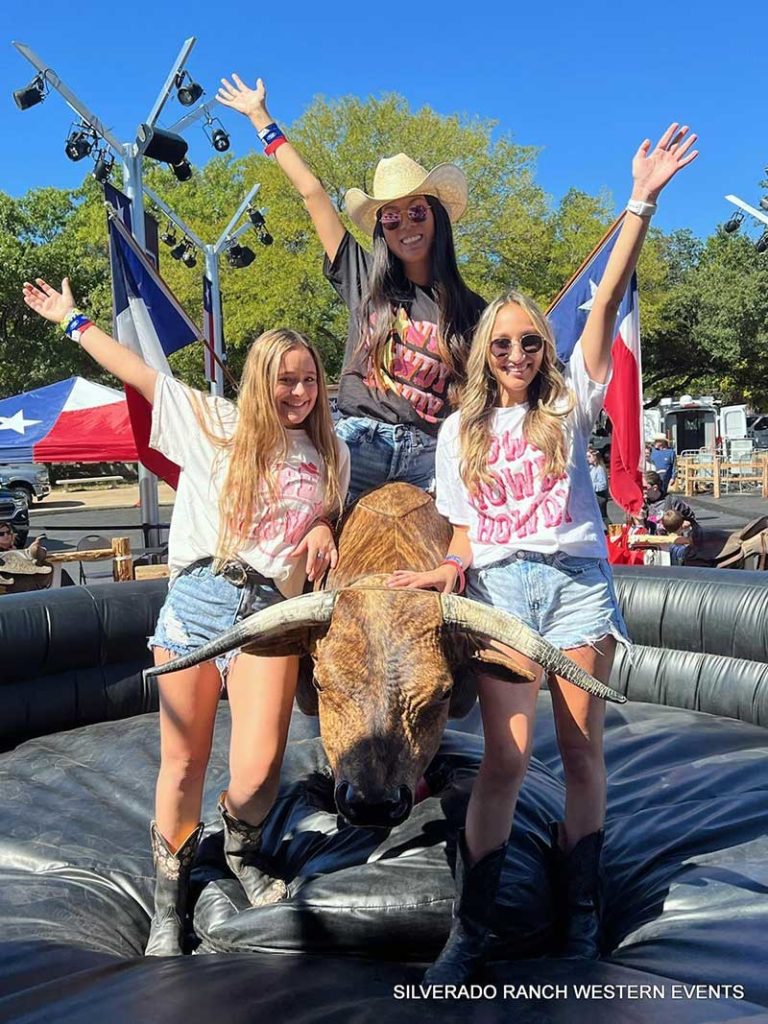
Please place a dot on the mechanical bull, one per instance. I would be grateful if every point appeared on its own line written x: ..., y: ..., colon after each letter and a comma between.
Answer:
x: 389, y: 666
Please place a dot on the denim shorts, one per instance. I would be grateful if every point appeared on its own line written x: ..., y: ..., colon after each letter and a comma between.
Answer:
x: 383, y: 452
x: 570, y: 601
x: 200, y: 606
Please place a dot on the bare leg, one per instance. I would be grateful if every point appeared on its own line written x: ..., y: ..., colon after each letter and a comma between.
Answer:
x: 261, y: 692
x: 508, y: 711
x: 579, y: 724
x: 188, y: 702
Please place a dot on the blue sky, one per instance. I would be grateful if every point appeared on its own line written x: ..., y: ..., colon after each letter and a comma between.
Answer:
x: 585, y: 82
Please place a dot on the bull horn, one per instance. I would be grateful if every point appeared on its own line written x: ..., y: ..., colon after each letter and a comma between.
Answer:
x: 271, y: 623
x: 494, y: 624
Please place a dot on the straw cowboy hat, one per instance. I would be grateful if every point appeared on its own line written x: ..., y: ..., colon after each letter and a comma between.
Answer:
x: 660, y: 437
x: 397, y: 177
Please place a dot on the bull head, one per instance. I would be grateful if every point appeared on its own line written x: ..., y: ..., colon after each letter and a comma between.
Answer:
x: 385, y: 661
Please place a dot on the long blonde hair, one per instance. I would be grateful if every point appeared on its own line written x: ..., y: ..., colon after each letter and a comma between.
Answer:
x: 549, y: 400
x: 260, y: 441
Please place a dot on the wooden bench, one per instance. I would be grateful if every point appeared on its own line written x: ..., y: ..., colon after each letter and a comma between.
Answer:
x: 90, y: 481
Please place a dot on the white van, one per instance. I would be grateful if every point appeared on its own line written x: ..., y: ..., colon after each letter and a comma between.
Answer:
x: 693, y: 424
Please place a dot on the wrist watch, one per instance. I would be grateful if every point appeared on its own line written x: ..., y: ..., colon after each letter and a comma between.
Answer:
x: 641, y: 208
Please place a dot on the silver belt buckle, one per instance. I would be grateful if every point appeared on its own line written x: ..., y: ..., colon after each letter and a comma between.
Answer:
x: 236, y: 573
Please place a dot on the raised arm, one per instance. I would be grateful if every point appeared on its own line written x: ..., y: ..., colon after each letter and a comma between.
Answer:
x: 114, y: 357
x: 253, y: 103
x: 651, y: 170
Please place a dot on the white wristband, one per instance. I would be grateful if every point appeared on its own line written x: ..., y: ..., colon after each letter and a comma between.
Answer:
x: 640, y: 208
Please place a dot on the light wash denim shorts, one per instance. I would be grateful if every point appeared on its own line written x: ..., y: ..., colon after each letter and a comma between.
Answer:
x: 570, y: 601
x: 200, y: 606
x: 380, y: 453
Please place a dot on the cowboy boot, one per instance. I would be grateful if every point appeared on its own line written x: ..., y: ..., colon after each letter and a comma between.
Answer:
x: 577, y: 885
x: 242, y: 849
x: 172, y: 870
x: 476, y: 888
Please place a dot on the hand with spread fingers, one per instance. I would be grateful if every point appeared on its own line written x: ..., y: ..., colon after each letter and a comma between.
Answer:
x: 653, y: 169
x: 46, y: 301
x: 320, y: 549
x: 238, y: 96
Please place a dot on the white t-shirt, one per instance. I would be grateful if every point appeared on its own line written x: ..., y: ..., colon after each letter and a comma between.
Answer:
x: 277, y: 526
x: 523, y: 511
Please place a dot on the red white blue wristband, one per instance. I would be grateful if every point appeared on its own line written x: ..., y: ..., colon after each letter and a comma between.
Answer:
x: 75, y: 324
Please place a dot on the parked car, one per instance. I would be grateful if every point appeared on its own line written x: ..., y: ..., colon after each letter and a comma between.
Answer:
x: 14, y: 510
x: 757, y: 429
x: 26, y: 478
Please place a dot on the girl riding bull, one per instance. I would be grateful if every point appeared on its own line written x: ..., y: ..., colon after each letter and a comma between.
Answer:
x: 513, y: 479
x: 412, y: 315
x: 258, y: 481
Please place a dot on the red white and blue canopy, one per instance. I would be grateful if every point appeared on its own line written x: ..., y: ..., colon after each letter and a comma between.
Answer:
x: 71, y: 421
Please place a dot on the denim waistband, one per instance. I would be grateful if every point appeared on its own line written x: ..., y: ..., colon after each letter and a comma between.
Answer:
x: 548, y: 558
x: 238, y: 573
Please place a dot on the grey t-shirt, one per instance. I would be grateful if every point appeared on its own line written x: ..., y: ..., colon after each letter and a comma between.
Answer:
x: 417, y: 379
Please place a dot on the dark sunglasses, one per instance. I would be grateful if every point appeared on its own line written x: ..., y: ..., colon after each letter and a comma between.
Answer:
x: 6, y: 533
x: 392, y: 219
x: 529, y: 343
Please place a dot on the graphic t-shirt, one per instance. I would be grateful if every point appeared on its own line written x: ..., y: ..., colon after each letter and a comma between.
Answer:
x: 417, y: 379
x: 277, y: 525
x: 524, y: 509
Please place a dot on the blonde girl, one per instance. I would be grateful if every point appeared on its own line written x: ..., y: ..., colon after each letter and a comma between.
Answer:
x: 259, y: 480
x: 513, y: 479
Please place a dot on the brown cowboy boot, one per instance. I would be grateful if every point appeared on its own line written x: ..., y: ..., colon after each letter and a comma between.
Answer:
x: 172, y: 870
x: 242, y: 851
x: 476, y: 888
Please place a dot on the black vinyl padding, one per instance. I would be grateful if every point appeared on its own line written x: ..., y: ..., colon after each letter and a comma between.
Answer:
x: 685, y: 857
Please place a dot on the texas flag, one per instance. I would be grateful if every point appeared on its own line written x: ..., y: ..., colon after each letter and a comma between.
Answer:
x: 73, y: 420
x: 149, y: 321
x: 623, y: 402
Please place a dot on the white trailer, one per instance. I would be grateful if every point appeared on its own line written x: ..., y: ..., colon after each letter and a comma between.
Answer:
x: 692, y: 424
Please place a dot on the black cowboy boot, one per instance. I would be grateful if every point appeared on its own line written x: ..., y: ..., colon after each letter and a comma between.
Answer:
x: 577, y: 889
x: 172, y: 872
x: 242, y: 849
x: 476, y: 888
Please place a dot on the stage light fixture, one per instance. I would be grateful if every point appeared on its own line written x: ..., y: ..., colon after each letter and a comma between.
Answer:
x: 168, y: 237
x: 162, y: 145
x: 764, y: 203
x: 265, y: 238
x: 220, y: 140
x: 188, y: 93
x: 104, y: 164
x: 240, y: 256
x: 80, y: 142
x: 183, y: 170
x: 216, y: 134
x: 189, y: 259
x: 178, y: 250
x: 762, y: 243
x: 256, y: 217
x: 31, y: 94
x: 734, y: 223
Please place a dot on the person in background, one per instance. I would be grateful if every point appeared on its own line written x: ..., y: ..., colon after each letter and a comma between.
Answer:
x: 598, y: 474
x: 664, y: 461
x: 673, y: 522
x: 648, y: 461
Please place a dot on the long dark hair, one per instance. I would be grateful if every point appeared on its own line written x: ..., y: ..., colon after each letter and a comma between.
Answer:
x: 388, y: 287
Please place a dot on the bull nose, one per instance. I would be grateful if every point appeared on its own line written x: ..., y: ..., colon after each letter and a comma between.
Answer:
x: 362, y: 811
